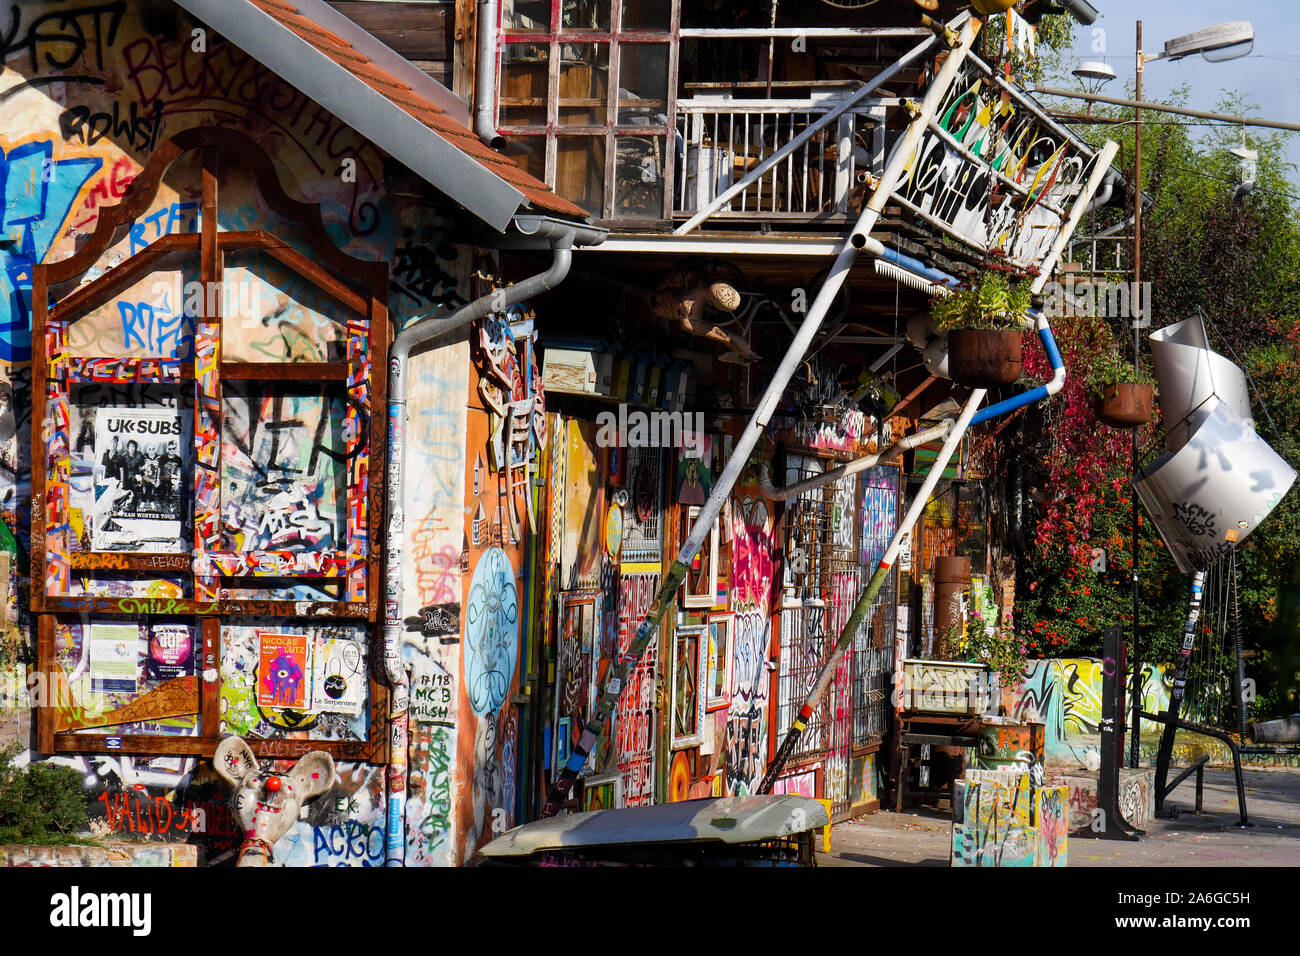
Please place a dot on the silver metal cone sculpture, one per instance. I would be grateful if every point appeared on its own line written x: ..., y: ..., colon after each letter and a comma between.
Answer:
x: 1190, y: 374
x: 1219, y: 479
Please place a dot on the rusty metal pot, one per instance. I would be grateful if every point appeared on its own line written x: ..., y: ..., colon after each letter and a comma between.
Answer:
x: 1124, y: 405
x: 983, y: 358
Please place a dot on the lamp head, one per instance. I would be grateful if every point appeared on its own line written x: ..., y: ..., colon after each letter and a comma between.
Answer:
x: 1225, y: 41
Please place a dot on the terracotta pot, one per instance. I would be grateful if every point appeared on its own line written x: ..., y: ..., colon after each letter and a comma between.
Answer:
x: 980, y: 358
x: 1125, y: 405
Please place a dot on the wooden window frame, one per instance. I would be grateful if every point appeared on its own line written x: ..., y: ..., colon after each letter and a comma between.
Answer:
x: 610, y: 132
x: 363, y: 373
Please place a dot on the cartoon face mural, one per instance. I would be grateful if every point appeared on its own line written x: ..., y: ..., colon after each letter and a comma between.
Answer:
x: 266, y: 804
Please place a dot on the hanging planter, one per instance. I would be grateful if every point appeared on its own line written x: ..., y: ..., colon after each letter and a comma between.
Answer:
x: 984, y: 323
x: 1124, y: 405
x: 983, y: 358
x: 1122, y: 396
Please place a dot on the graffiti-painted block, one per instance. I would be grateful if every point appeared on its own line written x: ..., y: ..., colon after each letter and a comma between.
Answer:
x: 1000, y: 819
x: 974, y: 846
x: 1052, y: 820
x: 1006, y: 742
x: 997, y: 798
x: 1136, y: 795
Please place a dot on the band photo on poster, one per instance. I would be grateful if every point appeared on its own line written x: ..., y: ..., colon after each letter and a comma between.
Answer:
x: 139, y: 479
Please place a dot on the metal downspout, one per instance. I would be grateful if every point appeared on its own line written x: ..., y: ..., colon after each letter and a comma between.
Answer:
x: 857, y: 241
x: 485, y: 74
x: 424, y: 330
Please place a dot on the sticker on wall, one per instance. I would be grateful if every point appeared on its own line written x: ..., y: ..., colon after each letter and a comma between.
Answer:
x: 283, y: 671
x: 338, y: 677
x: 438, y: 620
x: 114, y: 653
x: 614, y: 531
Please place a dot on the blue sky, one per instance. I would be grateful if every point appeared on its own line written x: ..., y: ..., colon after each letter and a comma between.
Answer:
x: 1270, y: 76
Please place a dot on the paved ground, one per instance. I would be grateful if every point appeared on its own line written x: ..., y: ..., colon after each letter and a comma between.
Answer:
x: 923, y: 837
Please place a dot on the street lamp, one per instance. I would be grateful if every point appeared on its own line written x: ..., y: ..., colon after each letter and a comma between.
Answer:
x: 1093, y: 74
x: 1226, y: 41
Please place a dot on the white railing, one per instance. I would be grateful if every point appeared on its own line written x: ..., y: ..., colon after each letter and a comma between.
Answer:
x: 721, y: 140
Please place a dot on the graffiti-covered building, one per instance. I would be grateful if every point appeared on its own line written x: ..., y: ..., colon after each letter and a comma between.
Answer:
x: 368, y: 365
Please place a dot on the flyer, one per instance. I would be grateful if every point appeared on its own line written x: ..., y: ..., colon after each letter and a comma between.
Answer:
x: 284, y: 671
x: 114, y: 658
x: 139, y: 480
x: 170, y: 652
x: 338, y: 677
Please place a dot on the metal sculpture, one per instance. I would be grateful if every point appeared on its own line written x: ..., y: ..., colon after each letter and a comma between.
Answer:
x: 1215, y: 484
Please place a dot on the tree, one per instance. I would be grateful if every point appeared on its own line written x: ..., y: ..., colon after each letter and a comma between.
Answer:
x: 1238, y: 261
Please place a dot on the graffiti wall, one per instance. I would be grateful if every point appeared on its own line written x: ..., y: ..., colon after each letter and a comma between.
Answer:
x: 1065, y: 694
x: 88, y: 92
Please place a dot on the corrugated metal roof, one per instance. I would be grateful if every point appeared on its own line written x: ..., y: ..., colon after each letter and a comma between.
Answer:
x: 329, y: 66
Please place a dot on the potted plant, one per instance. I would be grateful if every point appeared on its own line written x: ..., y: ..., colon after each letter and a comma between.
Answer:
x: 984, y: 322
x: 996, y: 646
x: 1122, y: 396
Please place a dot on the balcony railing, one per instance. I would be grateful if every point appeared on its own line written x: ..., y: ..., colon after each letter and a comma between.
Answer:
x: 720, y: 140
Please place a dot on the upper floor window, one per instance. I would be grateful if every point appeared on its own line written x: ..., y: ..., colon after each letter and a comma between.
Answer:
x: 584, y: 97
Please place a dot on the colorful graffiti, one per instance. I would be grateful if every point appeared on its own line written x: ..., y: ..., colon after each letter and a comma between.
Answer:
x: 634, y: 738
x: 752, y: 570
x: 879, y: 514
x: 1065, y: 695
x: 40, y: 193
x: 1001, y: 819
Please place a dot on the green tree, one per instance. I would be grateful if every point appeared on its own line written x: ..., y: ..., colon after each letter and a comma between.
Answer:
x: 1236, y: 259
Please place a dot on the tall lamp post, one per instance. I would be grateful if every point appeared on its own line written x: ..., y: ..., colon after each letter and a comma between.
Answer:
x: 1226, y: 41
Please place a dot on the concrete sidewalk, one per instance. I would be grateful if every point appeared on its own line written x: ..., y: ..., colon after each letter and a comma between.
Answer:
x: 923, y: 837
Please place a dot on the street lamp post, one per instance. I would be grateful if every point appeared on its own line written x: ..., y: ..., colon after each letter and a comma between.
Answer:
x: 1135, y: 682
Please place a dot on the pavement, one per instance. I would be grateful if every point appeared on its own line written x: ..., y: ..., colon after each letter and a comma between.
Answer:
x: 923, y: 836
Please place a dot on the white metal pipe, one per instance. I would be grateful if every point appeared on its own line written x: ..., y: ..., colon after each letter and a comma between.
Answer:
x: 485, y: 74
x: 852, y: 467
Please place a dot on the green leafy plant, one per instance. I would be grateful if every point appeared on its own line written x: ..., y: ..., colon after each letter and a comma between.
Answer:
x: 1108, y: 368
x: 41, y: 803
x: 974, y: 641
x: 993, y: 303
